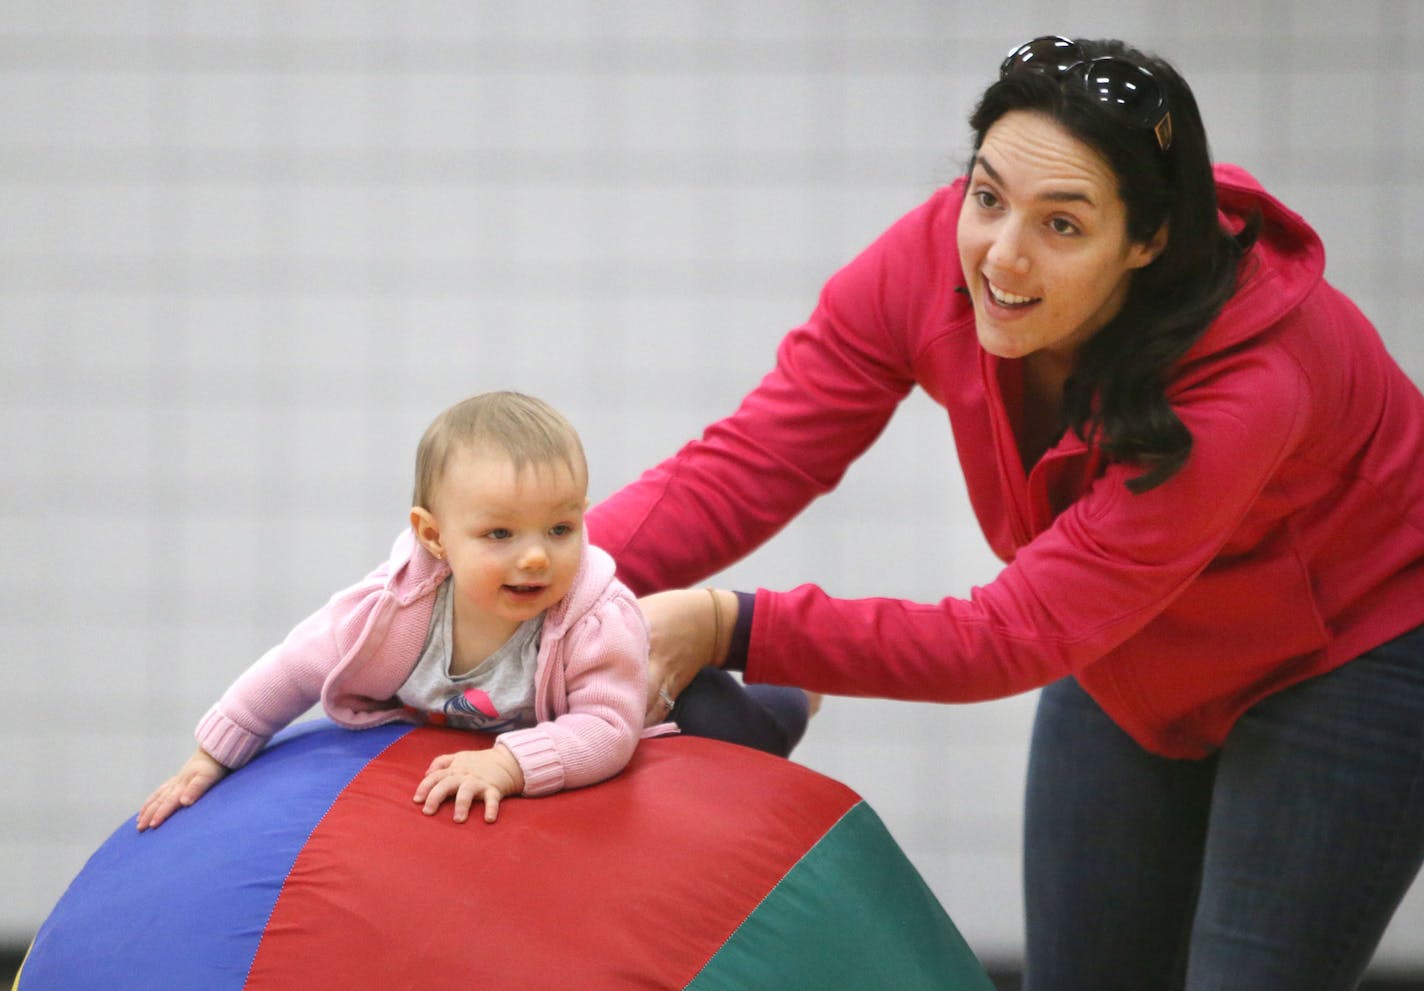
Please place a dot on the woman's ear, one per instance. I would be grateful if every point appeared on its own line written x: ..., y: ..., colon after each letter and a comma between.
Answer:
x: 1146, y: 253
x: 427, y: 531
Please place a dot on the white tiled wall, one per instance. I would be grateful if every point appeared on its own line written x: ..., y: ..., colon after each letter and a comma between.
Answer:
x: 248, y: 249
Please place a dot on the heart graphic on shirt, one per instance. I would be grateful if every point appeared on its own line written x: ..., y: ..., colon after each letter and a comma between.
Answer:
x: 481, y: 703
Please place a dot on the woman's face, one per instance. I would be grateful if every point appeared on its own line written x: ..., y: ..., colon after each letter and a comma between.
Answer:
x: 1043, y: 239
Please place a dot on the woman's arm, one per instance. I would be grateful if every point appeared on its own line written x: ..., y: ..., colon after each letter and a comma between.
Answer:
x: 1205, y: 544
x: 837, y: 380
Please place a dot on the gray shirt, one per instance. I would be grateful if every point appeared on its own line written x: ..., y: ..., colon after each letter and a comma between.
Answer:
x: 497, y: 695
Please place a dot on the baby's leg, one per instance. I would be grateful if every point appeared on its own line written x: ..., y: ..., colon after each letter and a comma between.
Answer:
x: 765, y: 717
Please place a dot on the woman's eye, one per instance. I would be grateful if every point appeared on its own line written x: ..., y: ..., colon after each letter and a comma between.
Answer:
x: 986, y: 199
x: 1061, y: 226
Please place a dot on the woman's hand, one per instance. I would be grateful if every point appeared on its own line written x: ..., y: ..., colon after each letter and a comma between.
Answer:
x: 199, y: 773
x: 691, y: 629
x: 487, y: 775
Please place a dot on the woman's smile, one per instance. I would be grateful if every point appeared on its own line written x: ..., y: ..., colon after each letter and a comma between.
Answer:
x: 1007, y: 299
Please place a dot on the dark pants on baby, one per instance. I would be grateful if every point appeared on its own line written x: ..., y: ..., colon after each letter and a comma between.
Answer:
x: 1274, y: 865
x: 765, y: 717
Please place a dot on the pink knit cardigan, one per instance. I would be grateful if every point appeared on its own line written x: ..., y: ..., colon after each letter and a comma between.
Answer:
x: 353, y: 655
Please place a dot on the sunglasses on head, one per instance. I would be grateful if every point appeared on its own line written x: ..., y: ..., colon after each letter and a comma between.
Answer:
x: 1128, y: 90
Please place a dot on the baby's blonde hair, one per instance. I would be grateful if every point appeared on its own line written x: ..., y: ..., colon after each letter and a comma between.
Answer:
x: 528, y: 430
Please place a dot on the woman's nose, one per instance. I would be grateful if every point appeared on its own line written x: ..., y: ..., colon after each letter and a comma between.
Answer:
x: 1007, y: 252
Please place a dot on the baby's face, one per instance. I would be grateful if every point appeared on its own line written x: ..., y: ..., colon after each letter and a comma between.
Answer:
x: 513, y: 538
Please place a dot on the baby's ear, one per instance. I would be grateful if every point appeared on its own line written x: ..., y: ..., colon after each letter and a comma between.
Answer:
x: 427, y: 531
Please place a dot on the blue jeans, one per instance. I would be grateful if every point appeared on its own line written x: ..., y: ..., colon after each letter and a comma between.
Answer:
x: 1274, y: 865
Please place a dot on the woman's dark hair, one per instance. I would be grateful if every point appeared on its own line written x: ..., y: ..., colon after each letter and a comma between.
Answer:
x: 1116, y: 394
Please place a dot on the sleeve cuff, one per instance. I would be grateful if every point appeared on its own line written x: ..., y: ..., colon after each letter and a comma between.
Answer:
x: 741, y: 633
x: 538, y: 759
x: 225, y: 741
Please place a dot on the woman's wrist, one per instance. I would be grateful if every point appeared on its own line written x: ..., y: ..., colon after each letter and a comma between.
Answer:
x: 737, y: 612
x: 722, y: 602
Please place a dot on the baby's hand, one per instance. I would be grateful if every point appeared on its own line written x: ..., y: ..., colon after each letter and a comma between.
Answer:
x: 486, y: 774
x: 199, y: 773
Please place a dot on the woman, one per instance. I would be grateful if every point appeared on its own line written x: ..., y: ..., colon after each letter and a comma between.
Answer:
x: 1205, y: 477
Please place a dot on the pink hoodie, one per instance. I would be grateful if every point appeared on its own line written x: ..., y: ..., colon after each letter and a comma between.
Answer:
x: 1291, y: 542
x: 355, y: 653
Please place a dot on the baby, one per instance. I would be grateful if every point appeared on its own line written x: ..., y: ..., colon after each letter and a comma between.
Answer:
x: 492, y: 614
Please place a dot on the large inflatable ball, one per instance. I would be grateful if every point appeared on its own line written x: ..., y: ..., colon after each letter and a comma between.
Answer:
x: 702, y: 866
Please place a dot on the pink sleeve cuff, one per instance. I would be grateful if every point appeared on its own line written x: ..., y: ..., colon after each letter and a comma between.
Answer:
x: 538, y: 759
x: 228, y: 743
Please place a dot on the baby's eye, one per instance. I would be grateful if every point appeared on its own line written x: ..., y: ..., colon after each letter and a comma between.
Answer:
x: 561, y: 529
x: 498, y: 533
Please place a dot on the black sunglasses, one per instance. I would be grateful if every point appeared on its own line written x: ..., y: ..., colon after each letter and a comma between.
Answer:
x: 1126, y: 88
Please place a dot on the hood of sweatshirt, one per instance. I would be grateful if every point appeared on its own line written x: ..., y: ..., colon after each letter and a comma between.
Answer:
x: 1284, y: 266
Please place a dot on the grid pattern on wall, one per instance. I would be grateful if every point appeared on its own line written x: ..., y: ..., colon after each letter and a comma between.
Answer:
x: 248, y: 249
